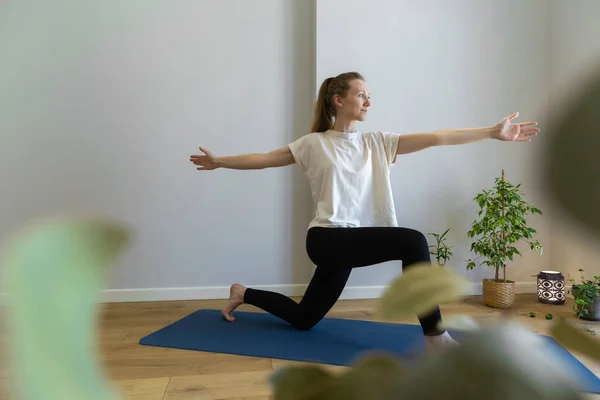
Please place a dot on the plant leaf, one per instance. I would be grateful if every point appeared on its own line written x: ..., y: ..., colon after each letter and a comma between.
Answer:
x: 459, y: 323
x: 373, y: 376
x: 300, y: 382
x: 419, y: 289
x: 376, y: 377
x: 502, y: 361
x: 55, y: 270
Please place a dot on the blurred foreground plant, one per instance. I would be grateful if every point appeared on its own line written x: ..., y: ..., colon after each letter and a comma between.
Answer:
x: 501, y: 361
x: 55, y: 270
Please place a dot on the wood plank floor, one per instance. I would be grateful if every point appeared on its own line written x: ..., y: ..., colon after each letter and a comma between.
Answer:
x: 149, y: 373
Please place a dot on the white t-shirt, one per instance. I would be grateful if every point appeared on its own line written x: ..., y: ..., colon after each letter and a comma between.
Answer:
x: 349, y: 176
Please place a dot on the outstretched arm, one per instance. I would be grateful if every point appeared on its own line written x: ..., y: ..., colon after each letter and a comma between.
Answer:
x: 505, y: 130
x: 276, y: 158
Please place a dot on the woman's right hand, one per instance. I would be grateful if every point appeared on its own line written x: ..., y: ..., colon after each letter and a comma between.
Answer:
x: 204, y: 162
x: 276, y: 158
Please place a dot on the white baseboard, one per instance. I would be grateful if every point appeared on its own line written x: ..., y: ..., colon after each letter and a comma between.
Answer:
x: 222, y: 292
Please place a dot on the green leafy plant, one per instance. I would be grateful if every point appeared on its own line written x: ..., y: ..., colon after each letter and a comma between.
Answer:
x: 440, y: 250
x: 502, y: 224
x: 585, y: 293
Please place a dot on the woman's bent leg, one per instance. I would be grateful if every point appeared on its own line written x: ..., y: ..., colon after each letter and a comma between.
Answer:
x: 323, y: 291
x: 360, y: 247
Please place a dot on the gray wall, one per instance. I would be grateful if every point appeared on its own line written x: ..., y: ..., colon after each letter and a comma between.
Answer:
x: 435, y: 65
x: 100, y: 112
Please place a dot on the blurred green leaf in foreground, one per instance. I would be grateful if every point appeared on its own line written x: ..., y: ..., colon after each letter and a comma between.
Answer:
x: 55, y: 270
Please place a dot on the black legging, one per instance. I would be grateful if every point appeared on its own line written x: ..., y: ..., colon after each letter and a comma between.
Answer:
x: 336, y: 251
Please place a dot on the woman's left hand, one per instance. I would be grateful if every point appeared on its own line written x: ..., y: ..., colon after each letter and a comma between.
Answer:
x: 515, y: 132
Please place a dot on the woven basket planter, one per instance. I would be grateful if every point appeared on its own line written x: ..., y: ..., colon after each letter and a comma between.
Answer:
x: 498, y: 294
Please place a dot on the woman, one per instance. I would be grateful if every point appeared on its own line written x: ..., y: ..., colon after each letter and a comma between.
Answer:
x: 355, y: 222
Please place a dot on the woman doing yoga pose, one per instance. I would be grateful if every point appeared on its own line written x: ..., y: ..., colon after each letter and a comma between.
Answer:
x: 349, y: 176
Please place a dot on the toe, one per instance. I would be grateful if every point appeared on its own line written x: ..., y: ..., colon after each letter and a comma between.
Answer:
x: 227, y: 315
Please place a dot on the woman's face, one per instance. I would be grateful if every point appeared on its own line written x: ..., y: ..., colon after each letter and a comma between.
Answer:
x: 355, y: 104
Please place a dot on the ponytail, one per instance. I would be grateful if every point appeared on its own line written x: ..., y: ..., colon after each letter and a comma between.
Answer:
x: 323, y: 118
x: 325, y: 109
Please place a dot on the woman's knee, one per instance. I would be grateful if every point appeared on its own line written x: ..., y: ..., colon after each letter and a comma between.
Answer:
x: 304, y: 325
x: 418, y: 239
x: 306, y: 320
x: 418, y: 245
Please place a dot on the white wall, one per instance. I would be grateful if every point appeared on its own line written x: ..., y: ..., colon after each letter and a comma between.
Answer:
x: 100, y: 108
x: 434, y: 65
x: 105, y: 106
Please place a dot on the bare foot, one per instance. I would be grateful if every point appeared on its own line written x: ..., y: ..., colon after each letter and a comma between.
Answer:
x: 434, y: 343
x: 236, y: 297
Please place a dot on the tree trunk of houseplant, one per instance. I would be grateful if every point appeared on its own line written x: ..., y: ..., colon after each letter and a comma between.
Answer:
x: 499, y: 293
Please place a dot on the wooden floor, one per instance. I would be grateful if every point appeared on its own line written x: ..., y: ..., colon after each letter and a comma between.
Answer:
x: 149, y: 373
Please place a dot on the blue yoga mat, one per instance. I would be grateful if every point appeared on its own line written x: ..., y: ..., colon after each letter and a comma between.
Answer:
x: 332, y: 341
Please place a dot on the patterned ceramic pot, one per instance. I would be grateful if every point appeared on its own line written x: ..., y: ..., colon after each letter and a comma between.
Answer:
x: 551, y: 287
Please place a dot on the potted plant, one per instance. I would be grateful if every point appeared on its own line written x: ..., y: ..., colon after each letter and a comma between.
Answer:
x: 587, y: 297
x: 502, y: 224
x: 440, y: 250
